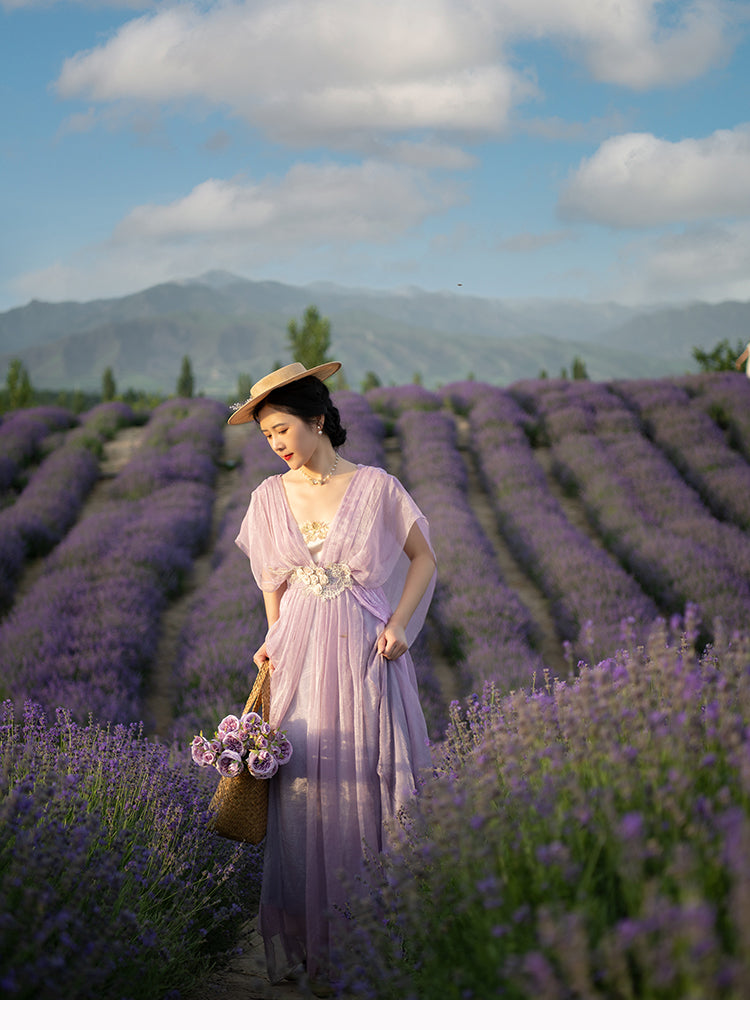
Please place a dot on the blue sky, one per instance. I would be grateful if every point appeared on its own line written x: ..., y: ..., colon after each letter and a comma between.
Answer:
x: 590, y: 149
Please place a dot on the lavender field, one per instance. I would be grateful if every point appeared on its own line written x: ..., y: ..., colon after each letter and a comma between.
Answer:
x: 584, y: 671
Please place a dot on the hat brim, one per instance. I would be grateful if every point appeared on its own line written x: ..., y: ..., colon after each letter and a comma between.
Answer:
x: 245, y: 413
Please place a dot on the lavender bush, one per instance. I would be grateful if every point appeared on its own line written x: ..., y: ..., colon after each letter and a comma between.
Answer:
x: 585, y: 586
x: 52, y: 500
x: 725, y: 396
x: 85, y: 634
x: 392, y: 401
x: 484, y: 623
x: 21, y: 438
x: 695, y: 444
x: 647, y: 515
x: 592, y: 841
x: 111, y: 884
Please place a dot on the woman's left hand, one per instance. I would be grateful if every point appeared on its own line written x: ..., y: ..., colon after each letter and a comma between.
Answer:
x: 392, y: 641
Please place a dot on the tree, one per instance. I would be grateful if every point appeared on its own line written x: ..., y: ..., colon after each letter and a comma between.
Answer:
x: 244, y: 386
x: 721, y: 359
x: 370, y: 382
x: 185, y: 382
x: 310, y: 342
x: 109, y: 389
x: 18, y: 385
x: 578, y: 368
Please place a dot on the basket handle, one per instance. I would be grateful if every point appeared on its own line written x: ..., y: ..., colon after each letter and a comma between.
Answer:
x: 260, y: 695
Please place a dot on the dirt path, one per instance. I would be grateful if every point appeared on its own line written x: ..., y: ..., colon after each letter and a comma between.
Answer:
x: 245, y: 976
x: 513, y: 574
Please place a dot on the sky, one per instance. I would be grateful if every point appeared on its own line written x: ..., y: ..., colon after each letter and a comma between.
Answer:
x: 597, y: 150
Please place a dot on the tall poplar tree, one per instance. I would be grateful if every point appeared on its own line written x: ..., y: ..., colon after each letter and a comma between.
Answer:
x: 309, y: 342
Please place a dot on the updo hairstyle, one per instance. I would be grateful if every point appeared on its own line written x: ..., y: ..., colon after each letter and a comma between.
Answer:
x: 308, y: 399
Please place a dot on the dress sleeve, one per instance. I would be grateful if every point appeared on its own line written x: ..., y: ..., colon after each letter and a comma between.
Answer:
x: 399, y: 512
x: 257, y: 539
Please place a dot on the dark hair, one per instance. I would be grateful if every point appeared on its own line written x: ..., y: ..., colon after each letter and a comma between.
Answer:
x: 308, y: 399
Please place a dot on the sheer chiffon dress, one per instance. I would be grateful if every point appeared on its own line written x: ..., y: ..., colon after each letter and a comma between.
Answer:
x: 353, y: 717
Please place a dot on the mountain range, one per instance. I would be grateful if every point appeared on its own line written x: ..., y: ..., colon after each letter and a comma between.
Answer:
x: 227, y: 325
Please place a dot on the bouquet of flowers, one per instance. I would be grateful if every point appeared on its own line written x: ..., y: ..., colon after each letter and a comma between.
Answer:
x: 245, y: 741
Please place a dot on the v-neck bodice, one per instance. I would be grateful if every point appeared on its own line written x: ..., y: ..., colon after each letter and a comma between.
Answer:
x: 315, y: 533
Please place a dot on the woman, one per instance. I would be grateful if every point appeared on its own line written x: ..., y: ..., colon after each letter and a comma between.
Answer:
x: 342, y: 555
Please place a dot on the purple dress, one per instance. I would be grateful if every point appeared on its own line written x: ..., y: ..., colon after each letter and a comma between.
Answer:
x: 353, y: 717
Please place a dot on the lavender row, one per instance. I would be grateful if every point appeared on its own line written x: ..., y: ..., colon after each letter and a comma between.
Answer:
x: 725, y: 396
x: 592, y: 842
x: 86, y: 632
x: 646, y: 513
x: 590, y: 595
x: 695, y: 444
x: 22, y: 436
x: 392, y: 401
x: 483, y: 621
x: 52, y: 500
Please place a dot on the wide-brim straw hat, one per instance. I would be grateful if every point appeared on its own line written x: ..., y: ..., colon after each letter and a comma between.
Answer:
x: 280, y: 377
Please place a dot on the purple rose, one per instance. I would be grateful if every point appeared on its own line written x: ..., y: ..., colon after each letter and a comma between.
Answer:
x: 250, y: 720
x: 262, y: 764
x: 229, y: 724
x: 282, y: 749
x: 233, y: 742
x: 198, y: 749
x: 229, y: 763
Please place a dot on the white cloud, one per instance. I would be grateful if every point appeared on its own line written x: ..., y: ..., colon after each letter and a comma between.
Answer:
x: 320, y: 71
x: 246, y: 226
x: 637, y: 180
x: 709, y: 263
x: 636, y: 43
x: 324, y: 203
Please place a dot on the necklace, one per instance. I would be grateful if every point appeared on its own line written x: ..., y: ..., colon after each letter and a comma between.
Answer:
x: 323, y: 479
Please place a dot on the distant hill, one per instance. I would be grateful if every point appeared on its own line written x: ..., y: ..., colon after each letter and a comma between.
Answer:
x: 228, y: 325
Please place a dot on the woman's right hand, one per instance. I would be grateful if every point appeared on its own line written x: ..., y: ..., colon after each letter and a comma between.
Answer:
x: 261, y: 655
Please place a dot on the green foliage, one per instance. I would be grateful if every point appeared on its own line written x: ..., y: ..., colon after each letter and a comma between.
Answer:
x: 578, y: 368
x: 19, y: 393
x: 109, y: 388
x: 723, y: 357
x: 309, y: 342
x: 185, y: 383
x: 244, y: 386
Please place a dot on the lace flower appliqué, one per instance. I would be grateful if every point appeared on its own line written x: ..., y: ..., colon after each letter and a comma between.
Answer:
x: 325, y: 581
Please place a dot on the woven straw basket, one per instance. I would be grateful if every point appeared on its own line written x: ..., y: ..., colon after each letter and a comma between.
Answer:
x: 241, y: 802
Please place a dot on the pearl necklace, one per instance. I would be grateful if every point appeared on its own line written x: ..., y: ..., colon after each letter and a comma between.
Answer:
x: 324, y: 479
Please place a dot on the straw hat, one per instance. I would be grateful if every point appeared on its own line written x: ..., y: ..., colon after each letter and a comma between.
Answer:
x: 281, y: 377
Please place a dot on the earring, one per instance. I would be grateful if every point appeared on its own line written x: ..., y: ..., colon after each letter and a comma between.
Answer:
x: 320, y: 431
